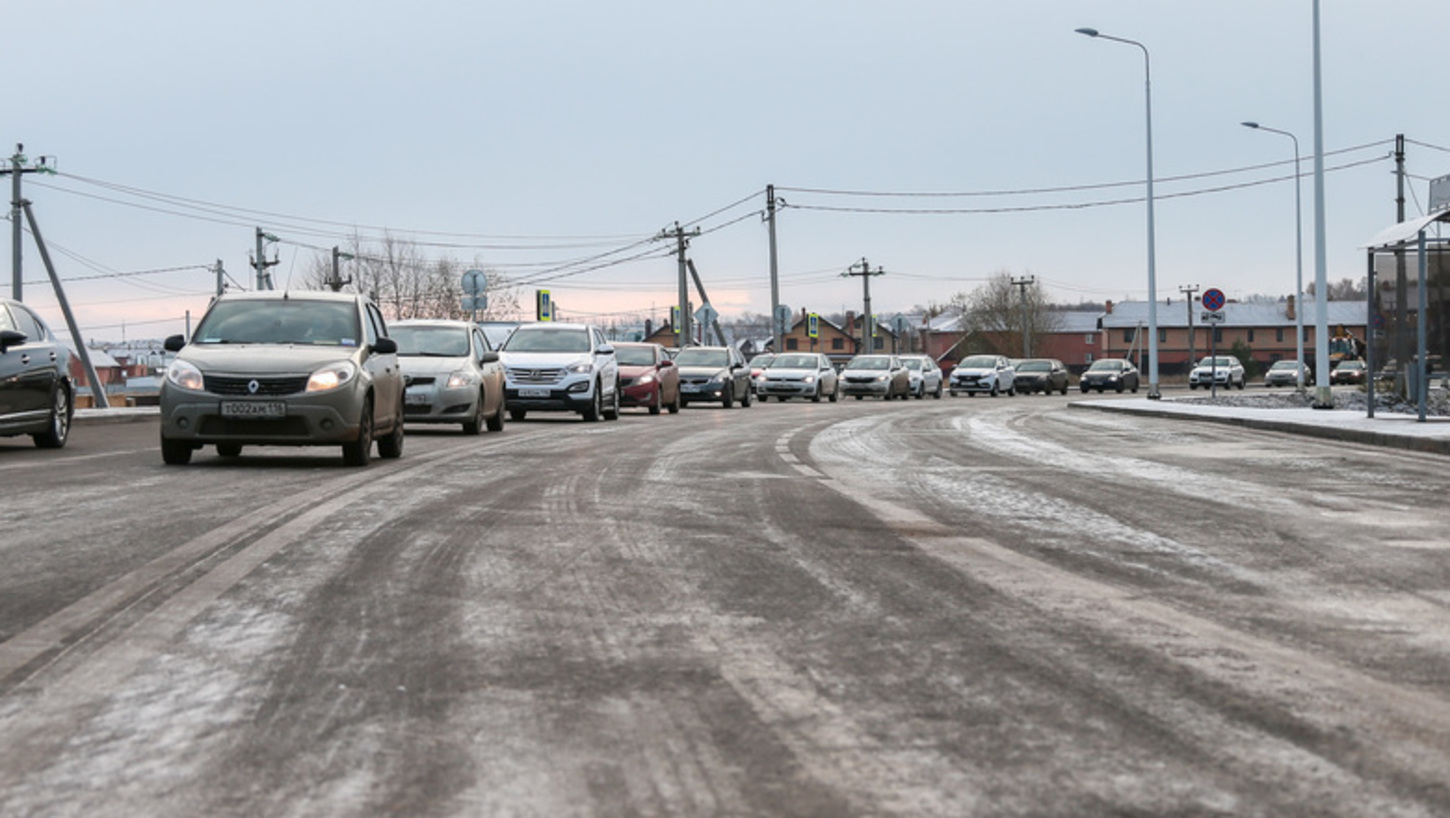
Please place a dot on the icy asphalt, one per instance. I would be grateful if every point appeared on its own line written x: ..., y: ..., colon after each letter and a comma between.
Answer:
x: 1392, y: 426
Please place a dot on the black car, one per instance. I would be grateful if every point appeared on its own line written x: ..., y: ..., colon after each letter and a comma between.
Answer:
x: 1116, y: 374
x: 37, y: 397
x: 714, y: 374
x: 1046, y: 375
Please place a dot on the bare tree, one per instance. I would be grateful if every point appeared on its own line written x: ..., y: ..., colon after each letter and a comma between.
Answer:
x: 406, y: 283
x: 997, y: 313
x: 1346, y: 289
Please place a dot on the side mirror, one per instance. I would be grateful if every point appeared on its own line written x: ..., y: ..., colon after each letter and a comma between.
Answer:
x: 666, y: 363
x: 174, y: 343
x: 607, y: 349
x: 488, y: 358
x: 10, y: 338
x: 386, y: 346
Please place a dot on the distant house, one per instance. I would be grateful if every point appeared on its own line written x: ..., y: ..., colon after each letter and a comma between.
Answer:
x: 1267, y: 329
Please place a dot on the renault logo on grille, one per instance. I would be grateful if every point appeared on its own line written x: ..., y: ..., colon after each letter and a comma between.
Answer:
x: 253, y: 386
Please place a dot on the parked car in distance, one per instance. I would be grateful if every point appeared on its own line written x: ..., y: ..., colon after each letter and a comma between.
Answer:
x: 714, y: 374
x: 1348, y: 372
x: 924, y: 376
x: 983, y: 373
x: 560, y: 367
x: 284, y: 368
x: 1225, y: 370
x: 1286, y: 373
x: 451, y: 374
x: 647, y: 377
x: 883, y: 376
x: 757, y: 369
x: 1116, y: 374
x: 37, y: 397
x: 800, y: 375
x: 1045, y: 375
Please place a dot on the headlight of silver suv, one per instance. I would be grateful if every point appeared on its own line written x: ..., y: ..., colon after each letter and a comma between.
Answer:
x: 185, y: 376
x: 583, y: 368
x: 331, y: 376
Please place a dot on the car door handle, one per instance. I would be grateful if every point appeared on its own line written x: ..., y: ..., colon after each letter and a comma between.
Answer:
x: 25, y: 359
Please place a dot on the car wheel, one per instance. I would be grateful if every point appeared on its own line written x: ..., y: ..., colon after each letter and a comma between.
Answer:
x: 360, y: 452
x: 1012, y: 390
x: 1241, y: 384
x: 858, y: 397
x: 1064, y: 387
x: 994, y: 389
x: 816, y: 398
x: 228, y: 449
x: 518, y: 414
x: 937, y: 394
x: 175, y: 452
x: 954, y: 393
x: 1135, y: 386
x: 745, y: 401
x: 596, y: 405
x: 835, y: 393
x: 728, y: 399
x: 611, y: 412
x: 391, y: 447
x: 495, y: 423
x: 1120, y: 387
x: 57, y: 431
x: 474, y: 425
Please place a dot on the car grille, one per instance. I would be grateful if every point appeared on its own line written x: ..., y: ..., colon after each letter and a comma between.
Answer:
x: 535, y: 376
x: 860, y: 379
x: 288, y: 427
x: 225, y: 385
x: 418, y: 380
x: 700, y: 381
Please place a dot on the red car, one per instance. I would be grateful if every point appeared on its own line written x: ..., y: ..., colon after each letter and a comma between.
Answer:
x: 647, y: 377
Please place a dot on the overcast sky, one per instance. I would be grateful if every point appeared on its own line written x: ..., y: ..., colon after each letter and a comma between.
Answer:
x: 532, y: 135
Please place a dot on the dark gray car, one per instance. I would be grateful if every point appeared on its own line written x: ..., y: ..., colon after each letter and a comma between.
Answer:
x: 37, y: 397
x: 284, y: 369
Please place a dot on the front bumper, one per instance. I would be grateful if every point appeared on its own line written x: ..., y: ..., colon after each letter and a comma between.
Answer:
x: 435, y: 403
x: 865, y: 387
x: 310, y: 420
x: 788, y: 389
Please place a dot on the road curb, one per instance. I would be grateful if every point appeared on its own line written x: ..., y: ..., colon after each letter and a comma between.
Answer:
x: 1430, y: 445
x: 105, y: 417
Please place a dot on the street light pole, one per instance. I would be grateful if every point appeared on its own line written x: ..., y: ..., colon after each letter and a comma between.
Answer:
x: 1298, y: 255
x: 1323, y: 398
x: 1153, y: 393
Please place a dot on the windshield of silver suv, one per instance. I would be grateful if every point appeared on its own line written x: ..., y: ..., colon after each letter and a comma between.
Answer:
x: 548, y: 339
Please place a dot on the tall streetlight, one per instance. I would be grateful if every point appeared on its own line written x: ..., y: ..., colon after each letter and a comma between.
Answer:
x: 1153, y: 392
x: 1323, y: 399
x: 1298, y: 255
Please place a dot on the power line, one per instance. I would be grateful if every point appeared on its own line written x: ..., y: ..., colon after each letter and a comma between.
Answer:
x: 1067, y: 205
x: 1072, y: 188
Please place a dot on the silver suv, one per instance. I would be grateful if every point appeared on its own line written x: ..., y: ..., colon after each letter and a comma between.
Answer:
x: 551, y: 367
x: 284, y: 369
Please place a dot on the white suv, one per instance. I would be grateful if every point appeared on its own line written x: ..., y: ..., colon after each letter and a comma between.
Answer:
x: 551, y: 367
x: 1225, y: 370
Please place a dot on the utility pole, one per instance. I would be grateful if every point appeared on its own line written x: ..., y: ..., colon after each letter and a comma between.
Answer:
x: 1189, y: 291
x: 1401, y: 339
x: 776, y: 324
x: 260, y: 263
x: 16, y: 169
x: 681, y: 237
x: 1022, y: 284
x: 335, y: 283
x: 864, y: 270
x: 221, y: 285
